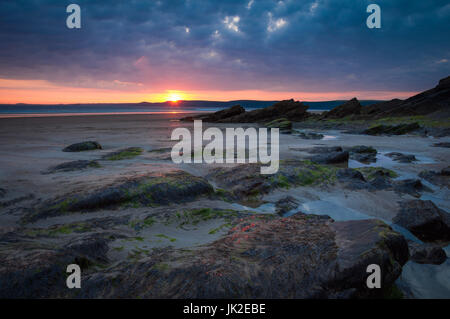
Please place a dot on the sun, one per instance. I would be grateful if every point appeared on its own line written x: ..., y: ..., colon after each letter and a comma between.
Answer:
x: 174, y: 96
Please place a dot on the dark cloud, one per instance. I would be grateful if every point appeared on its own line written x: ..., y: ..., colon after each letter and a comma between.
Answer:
x: 271, y: 45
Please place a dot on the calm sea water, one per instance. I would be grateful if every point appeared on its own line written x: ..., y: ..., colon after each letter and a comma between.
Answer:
x: 26, y: 110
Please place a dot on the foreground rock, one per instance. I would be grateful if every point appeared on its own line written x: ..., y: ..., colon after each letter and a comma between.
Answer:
x: 401, y: 158
x: 440, y: 178
x: 303, y: 256
x: 392, y: 129
x: 426, y: 253
x: 424, y: 219
x: 83, y: 146
x: 362, y: 153
x: 161, y: 189
x: 72, y: 166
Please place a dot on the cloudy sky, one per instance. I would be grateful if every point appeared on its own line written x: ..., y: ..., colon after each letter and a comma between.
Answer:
x: 132, y: 51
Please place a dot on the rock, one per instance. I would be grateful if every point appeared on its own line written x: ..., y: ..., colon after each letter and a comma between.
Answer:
x: 401, y: 158
x: 441, y: 178
x: 217, y: 116
x: 352, y: 178
x: 426, y: 253
x: 442, y: 144
x: 436, y: 100
x: 126, y: 153
x: 349, y: 108
x: 424, y: 220
x: 410, y: 186
x: 153, y: 189
x: 323, y: 149
x: 72, y: 166
x: 2, y: 192
x: 302, y: 256
x: 246, y: 181
x: 286, y: 204
x: 392, y: 130
x: 309, y: 135
x: 363, y: 154
x: 330, y: 158
x: 83, y: 146
x: 290, y: 109
x: 283, y: 124
x: 39, y: 271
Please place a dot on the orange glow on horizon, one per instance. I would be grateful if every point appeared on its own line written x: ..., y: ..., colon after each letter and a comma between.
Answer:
x: 44, y: 92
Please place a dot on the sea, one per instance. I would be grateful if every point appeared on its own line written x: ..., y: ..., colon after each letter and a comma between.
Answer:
x: 39, y: 110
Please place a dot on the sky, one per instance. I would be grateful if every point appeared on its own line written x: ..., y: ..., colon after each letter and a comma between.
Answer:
x: 133, y: 51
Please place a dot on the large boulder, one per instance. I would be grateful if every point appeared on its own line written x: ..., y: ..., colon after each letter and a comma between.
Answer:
x: 349, y: 108
x: 83, y: 146
x: 424, y: 219
x: 302, y: 256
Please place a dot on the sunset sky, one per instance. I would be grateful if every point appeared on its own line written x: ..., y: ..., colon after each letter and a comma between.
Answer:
x: 133, y: 51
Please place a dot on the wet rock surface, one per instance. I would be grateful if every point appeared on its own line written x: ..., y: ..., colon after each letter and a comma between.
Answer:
x: 362, y: 153
x: 154, y: 189
x: 309, y: 135
x: 426, y: 253
x: 286, y: 204
x: 440, y: 178
x: 72, y: 166
x: 83, y: 146
x: 392, y: 129
x: 303, y: 256
x: 424, y: 219
x: 401, y: 158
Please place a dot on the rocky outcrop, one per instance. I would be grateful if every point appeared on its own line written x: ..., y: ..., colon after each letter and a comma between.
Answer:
x: 442, y: 144
x: 290, y: 109
x: 426, y: 253
x: 350, y: 108
x: 283, y: 124
x: 160, y: 189
x: 401, y: 158
x: 436, y: 100
x: 217, y: 116
x: 392, y: 129
x: 309, y: 135
x: 72, y: 166
x: 440, y: 178
x: 286, y: 204
x: 83, y: 146
x: 362, y: 153
x: 424, y: 219
x: 302, y: 256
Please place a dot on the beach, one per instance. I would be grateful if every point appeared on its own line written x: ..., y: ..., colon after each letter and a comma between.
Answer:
x: 30, y: 147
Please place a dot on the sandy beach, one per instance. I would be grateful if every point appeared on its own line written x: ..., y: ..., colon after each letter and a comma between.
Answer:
x: 30, y: 146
